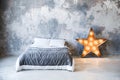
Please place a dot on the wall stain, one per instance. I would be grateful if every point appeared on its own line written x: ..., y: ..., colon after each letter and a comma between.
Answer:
x: 98, y: 29
x: 50, y: 3
x: 118, y: 3
x: 114, y: 40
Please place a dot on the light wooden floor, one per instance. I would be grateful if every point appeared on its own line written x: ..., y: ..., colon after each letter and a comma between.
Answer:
x: 85, y: 69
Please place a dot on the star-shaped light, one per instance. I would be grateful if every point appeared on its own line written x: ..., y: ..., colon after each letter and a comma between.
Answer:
x: 91, y: 44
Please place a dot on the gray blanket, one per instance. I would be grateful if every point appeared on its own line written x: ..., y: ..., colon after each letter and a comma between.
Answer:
x: 46, y: 57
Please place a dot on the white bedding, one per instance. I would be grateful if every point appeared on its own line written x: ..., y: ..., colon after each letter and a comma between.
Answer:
x: 45, y: 43
x: 48, y: 43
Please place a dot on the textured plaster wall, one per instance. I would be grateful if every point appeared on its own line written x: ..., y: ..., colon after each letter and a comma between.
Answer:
x: 22, y: 20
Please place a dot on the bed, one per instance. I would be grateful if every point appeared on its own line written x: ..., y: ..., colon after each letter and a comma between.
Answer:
x: 50, y: 54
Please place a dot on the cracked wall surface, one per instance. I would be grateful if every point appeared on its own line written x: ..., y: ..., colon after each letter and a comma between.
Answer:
x: 22, y: 20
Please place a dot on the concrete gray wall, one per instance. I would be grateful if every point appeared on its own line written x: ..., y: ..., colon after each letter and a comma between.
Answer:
x: 22, y: 20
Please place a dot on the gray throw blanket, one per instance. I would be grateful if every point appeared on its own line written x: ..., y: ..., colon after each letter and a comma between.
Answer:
x: 46, y: 57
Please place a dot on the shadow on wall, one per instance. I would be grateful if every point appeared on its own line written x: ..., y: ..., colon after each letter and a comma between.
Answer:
x: 98, y: 32
x: 3, y: 7
x: 114, y: 43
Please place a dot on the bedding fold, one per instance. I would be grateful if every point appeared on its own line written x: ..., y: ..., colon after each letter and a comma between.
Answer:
x: 46, y: 57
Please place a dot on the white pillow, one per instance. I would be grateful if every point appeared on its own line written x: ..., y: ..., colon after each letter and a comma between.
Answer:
x: 57, y: 43
x: 40, y: 42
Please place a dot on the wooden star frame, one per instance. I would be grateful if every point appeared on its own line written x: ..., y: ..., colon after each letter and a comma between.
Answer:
x: 91, y: 44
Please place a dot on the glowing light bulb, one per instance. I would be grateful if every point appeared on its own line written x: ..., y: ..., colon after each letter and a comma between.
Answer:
x: 84, y: 53
x: 90, y: 38
x: 81, y: 41
x: 90, y: 43
x: 95, y: 42
x: 97, y: 52
x: 87, y: 48
x: 101, y: 40
x: 93, y: 48
x: 85, y: 42
x: 91, y: 33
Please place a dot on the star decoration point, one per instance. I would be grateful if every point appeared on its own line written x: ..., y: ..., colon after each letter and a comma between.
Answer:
x: 91, y: 44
